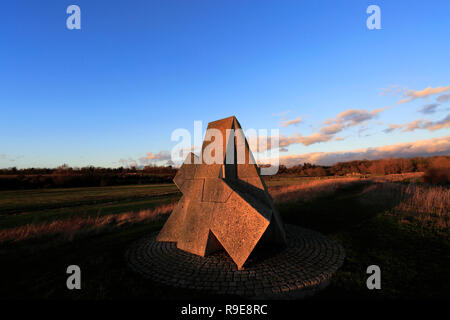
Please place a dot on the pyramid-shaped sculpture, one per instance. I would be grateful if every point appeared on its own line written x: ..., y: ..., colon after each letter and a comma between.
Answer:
x: 224, y: 205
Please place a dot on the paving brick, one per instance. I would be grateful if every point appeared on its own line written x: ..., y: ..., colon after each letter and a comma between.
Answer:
x: 308, y: 260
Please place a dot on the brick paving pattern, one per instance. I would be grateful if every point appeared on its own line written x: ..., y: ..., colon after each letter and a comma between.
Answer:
x: 301, y: 268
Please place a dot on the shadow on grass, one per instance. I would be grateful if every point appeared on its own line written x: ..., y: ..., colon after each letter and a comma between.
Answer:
x: 37, y: 269
x: 414, y: 263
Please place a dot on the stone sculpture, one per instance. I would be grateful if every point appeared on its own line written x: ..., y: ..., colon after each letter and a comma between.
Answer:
x: 225, y: 204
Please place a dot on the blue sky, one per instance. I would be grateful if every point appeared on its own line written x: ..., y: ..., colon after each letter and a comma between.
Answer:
x: 137, y: 70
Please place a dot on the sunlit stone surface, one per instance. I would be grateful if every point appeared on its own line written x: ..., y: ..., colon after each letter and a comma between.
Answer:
x: 224, y: 205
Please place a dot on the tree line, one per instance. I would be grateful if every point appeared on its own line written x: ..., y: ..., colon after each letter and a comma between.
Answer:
x: 365, y: 167
x: 437, y: 170
x: 68, y: 177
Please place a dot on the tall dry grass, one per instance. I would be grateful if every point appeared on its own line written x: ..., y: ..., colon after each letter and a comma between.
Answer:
x: 426, y: 206
x: 399, y: 177
x: 68, y: 229
x: 310, y: 190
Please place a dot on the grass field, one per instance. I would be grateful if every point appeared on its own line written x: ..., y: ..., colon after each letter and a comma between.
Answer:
x: 403, y: 227
x: 21, y: 207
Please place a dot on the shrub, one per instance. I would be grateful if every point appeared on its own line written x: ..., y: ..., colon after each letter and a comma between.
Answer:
x: 439, y: 176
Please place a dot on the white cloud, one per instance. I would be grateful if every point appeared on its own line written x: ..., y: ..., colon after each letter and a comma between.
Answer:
x: 430, y: 147
x: 128, y: 162
x: 392, y: 90
x: 331, y: 127
x: 411, y: 95
x: 281, y: 114
x: 420, y: 124
x: 287, y: 123
x: 353, y: 117
x: 155, y: 157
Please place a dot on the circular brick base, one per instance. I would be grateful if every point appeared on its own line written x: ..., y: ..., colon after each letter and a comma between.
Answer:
x: 304, y: 266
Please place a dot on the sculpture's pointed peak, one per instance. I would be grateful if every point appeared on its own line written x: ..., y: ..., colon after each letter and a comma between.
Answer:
x: 225, y: 123
x: 237, y: 125
x: 224, y: 119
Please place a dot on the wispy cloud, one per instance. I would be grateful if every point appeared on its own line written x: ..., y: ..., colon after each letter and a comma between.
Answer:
x: 429, y: 108
x: 392, y: 90
x: 353, y: 117
x: 10, y: 158
x: 155, y: 157
x: 149, y: 158
x: 411, y: 95
x: 281, y: 114
x: 348, y: 118
x: 305, y: 140
x: 420, y: 124
x: 443, y: 98
x: 286, y: 141
x: 286, y: 123
x: 392, y: 127
x: 331, y: 127
x: 430, y: 147
x: 128, y: 162
x: 444, y: 123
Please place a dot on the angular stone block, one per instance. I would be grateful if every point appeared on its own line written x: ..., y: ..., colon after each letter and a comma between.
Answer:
x: 225, y: 205
x: 216, y: 190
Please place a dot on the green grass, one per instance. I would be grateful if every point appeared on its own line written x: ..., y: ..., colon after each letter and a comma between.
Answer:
x: 413, y: 261
x: 18, y: 201
x: 20, y: 207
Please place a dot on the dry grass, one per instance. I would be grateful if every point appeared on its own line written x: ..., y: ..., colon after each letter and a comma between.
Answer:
x: 68, y: 229
x: 426, y: 206
x: 310, y: 190
x: 423, y: 205
x: 400, y: 177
